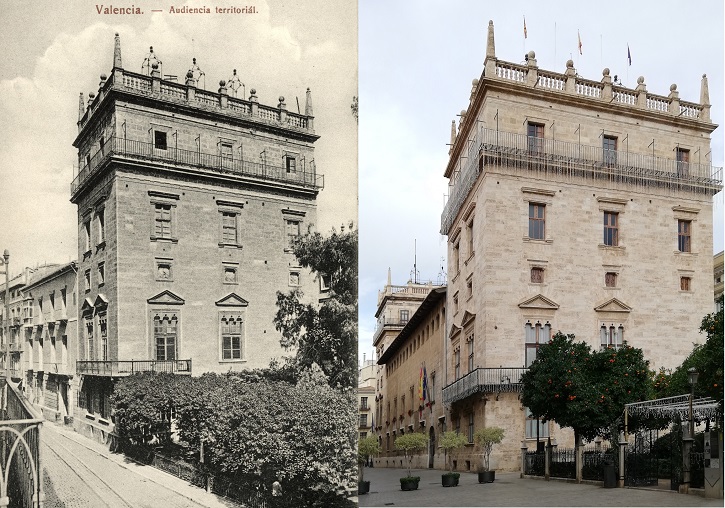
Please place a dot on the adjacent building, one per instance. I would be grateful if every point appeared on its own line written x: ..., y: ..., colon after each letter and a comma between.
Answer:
x: 570, y: 199
x: 366, y: 397
x: 188, y: 204
x: 718, y: 276
x: 410, y: 401
x: 49, y: 340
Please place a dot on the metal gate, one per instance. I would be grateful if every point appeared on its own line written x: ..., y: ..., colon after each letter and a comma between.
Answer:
x: 641, y: 464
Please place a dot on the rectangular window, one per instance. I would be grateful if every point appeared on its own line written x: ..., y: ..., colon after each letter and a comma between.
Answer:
x: 470, y: 238
x: 683, y: 162
x: 535, y: 428
x: 611, y: 336
x: 101, y: 226
x: 363, y: 421
x: 537, y: 275
x: 162, y: 220
x: 103, y: 328
x: 685, y: 283
x: 293, y: 232
x: 229, y: 228
x: 610, y: 279
x: 87, y: 280
x: 165, y: 335
x: 683, y: 235
x: 535, y: 336
x: 404, y: 316
x: 232, y: 328
x: 294, y: 278
x: 470, y: 354
x: 457, y: 360
x: 611, y: 229
x: 470, y: 428
x: 536, y: 221
x: 227, y: 151
x: 363, y: 403
x: 535, y: 133
x: 87, y: 235
x: 609, y: 145
x: 101, y: 274
x: 291, y: 164
x: 160, y: 140
x: 469, y: 288
x: 456, y: 258
x: 90, y: 350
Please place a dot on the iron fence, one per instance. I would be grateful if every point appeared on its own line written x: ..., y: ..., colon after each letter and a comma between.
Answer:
x: 563, y: 463
x: 535, y: 463
x: 128, y: 367
x: 20, y: 461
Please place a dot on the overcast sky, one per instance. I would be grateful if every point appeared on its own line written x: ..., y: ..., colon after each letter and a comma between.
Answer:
x: 54, y: 50
x: 417, y: 60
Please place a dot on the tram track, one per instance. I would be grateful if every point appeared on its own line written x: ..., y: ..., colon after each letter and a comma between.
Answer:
x: 100, y: 487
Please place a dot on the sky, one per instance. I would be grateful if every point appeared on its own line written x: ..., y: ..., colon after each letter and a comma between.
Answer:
x: 417, y: 60
x: 54, y: 50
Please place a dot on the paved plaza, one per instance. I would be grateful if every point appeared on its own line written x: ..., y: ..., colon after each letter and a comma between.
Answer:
x: 511, y: 490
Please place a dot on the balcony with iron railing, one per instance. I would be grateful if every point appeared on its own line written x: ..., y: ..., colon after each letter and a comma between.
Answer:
x: 484, y: 380
x: 139, y: 151
x: 557, y: 160
x: 127, y: 367
x: 389, y: 324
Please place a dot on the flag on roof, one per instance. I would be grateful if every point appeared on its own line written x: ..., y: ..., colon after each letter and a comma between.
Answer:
x: 579, y: 37
x: 525, y: 33
x: 629, y: 55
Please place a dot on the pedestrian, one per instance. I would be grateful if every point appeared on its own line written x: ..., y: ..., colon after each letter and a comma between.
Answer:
x: 277, y: 492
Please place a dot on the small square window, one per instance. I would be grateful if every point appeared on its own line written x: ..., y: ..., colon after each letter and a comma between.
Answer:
x: 294, y: 278
x: 324, y: 283
x: 537, y: 275
x: 685, y: 283
x: 230, y: 274
x: 610, y: 279
x: 163, y: 271
x: 160, y: 140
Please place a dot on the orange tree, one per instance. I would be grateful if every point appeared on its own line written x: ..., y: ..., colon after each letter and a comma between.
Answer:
x: 583, y: 389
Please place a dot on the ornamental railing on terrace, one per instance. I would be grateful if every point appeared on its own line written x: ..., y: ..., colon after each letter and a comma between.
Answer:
x: 128, y: 367
x: 222, y: 164
x: 484, y: 380
x: 551, y: 159
x: 20, y: 462
x: 570, y: 82
x: 188, y: 94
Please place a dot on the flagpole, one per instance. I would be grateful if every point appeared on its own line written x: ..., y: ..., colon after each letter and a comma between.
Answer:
x: 555, y: 62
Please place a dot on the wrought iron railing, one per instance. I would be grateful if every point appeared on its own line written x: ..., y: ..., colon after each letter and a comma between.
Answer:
x: 217, y: 163
x: 128, y: 367
x: 20, y: 463
x: 481, y: 380
x: 548, y: 158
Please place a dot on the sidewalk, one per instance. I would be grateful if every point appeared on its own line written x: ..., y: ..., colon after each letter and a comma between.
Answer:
x: 161, y: 479
x: 510, y: 490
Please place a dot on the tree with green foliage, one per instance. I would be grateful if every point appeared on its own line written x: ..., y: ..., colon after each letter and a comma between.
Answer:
x: 366, y: 448
x: 452, y: 441
x: 707, y: 359
x: 324, y: 334
x: 486, y: 438
x: 410, y: 444
x: 581, y: 389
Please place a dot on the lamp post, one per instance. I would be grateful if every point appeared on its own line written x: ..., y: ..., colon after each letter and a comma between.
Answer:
x: 690, y: 439
x: 6, y: 320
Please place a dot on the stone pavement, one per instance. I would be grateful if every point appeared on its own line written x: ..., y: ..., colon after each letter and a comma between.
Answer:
x: 510, y: 490
x: 78, y: 472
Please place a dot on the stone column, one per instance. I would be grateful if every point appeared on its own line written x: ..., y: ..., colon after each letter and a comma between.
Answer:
x: 524, y: 449
x: 622, y: 448
x: 532, y: 76
x: 155, y: 78
x: 283, y: 119
x: 223, y: 94
x: 255, y: 102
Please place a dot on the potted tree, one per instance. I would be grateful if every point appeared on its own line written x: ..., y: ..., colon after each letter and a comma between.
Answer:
x: 450, y: 442
x: 486, y: 438
x: 366, y: 447
x: 409, y: 444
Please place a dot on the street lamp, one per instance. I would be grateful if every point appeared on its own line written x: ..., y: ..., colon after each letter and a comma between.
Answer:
x: 689, y: 440
x: 6, y: 261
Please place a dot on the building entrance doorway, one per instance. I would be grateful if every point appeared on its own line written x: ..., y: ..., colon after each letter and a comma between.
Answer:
x: 431, y: 447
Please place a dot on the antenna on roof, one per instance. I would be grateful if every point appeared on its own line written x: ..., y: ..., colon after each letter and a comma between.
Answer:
x: 414, y: 274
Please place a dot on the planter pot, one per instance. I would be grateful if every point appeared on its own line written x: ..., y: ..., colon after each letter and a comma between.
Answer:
x: 456, y: 477
x: 409, y: 483
x: 363, y: 487
x: 486, y: 476
x: 448, y: 480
